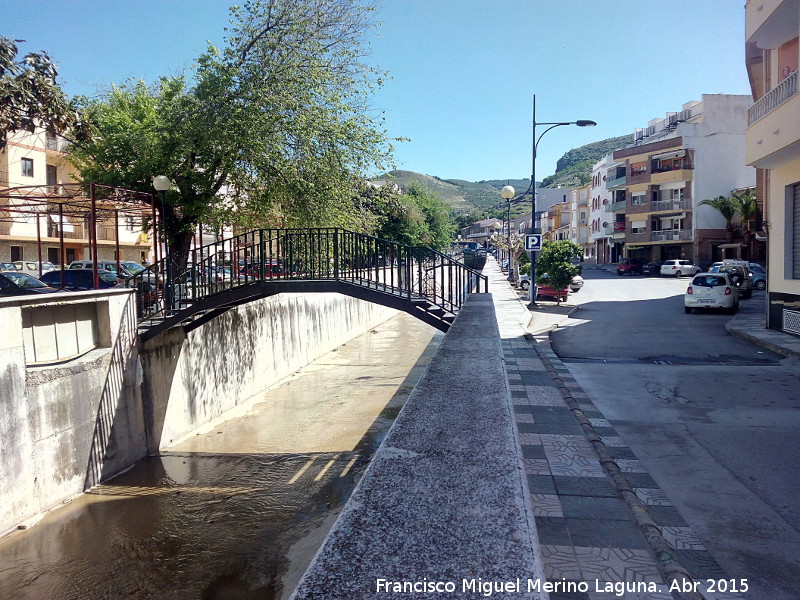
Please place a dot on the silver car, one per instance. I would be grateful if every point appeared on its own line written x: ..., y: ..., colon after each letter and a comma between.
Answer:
x: 678, y: 267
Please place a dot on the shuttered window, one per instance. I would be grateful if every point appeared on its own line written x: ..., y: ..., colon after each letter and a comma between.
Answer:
x: 796, y: 231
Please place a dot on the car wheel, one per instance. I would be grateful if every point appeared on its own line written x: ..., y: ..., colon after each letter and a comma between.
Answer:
x: 524, y: 285
x: 687, y: 310
x: 761, y: 285
x: 677, y: 274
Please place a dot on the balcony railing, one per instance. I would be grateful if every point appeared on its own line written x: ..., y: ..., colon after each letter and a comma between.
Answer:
x: 615, y: 206
x: 773, y: 99
x: 56, y: 143
x: 612, y: 183
x: 620, y: 226
x: 671, y: 205
x: 671, y: 235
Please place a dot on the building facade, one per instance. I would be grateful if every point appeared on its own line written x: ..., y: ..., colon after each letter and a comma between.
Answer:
x: 772, y: 55
x: 656, y: 185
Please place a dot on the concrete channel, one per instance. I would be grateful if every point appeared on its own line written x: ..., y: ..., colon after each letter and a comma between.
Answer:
x: 237, y: 509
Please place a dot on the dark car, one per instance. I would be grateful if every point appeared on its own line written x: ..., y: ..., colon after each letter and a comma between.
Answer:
x: 20, y: 284
x: 631, y: 266
x: 76, y: 280
x: 652, y: 268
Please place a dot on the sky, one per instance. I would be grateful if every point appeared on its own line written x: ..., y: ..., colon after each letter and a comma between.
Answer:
x: 462, y: 73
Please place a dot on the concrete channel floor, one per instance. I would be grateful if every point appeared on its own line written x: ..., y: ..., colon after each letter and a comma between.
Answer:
x: 601, y: 519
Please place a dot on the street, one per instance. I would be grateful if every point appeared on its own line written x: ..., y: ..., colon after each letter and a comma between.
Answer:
x: 714, y: 419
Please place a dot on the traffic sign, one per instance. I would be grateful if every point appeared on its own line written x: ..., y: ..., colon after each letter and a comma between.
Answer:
x: 533, y: 242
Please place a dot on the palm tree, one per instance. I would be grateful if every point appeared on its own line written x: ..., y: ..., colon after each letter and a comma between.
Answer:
x: 727, y: 208
x: 747, y: 207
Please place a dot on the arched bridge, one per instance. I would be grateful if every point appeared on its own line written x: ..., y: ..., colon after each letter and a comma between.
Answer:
x: 422, y: 282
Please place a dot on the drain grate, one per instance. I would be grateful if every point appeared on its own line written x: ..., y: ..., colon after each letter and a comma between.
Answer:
x: 791, y: 321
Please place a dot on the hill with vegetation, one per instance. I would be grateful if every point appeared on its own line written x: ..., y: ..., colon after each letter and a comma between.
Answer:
x: 481, y: 199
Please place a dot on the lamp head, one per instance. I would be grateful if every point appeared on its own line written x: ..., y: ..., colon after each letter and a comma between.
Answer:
x: 585, y: 123
x: 507, y: 192
x: 162, y: 183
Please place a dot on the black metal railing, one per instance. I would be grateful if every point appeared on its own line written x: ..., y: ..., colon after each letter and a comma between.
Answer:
x: 326, y: 254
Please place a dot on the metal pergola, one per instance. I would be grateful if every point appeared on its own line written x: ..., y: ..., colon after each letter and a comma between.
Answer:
x: 73, y: 204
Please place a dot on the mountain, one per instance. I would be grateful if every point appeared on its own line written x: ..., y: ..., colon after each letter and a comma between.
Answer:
x: 573, y: 169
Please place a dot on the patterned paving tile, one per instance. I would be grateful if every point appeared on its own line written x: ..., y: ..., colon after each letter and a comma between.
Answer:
x: 552, y: 530
x: 585, y: 486
x: 652, y: 497
x: 599, y: 533
x: 533, y: 439
x: 613, y: 441
x: 541, y: 484
x: 681, y: 538
x: 524, y: 417
x: 535, y: 466
x: 582, y: 507
x: 561, y: 562
x: 631, y: 466
x: 546, y: 505
x: 532, y: 451
x: 599, y: 422
x: 700, y: 564
x: 616, y: 564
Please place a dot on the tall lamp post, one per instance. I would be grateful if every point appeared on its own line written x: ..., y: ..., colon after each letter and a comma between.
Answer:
x: 534, y: 227
x: 162, y: 183
x: 507, y: 193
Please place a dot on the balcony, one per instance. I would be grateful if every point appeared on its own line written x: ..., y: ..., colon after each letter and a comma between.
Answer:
x: 662, y: 205
x: 56, y: 144
x: 670, y: 176
x: 619, y: 226
x: 615, y: 206
x: 671, y: 235
x: 773, y: 99
x: 615, y: 183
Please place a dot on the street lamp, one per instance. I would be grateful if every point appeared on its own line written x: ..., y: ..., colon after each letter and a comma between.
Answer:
x: 162, y: 183
x: 507, y: 193
x: 534, y: 228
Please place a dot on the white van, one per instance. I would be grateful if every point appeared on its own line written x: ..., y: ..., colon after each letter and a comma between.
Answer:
x: 33, y: 267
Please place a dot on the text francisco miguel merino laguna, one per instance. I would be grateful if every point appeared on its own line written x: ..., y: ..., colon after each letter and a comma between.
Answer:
x: 486, y: 588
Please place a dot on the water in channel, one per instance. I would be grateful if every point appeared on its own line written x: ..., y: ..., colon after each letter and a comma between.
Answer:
x: 237, y: 510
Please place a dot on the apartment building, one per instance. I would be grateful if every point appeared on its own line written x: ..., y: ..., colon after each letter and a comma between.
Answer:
x: 579, y: 230
x: 772, y: 30
x: 655, y: 185
x: 601, y: 228
x: 38, y: 221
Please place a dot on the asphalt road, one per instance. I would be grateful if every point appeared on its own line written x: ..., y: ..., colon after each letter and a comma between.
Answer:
x: 714, y: 419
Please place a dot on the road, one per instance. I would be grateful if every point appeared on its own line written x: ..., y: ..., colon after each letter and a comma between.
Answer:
x: 714, y: 419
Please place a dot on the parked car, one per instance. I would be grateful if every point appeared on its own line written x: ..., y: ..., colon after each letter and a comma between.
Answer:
x: 542, y: 289
x: 76, y: 280
x: 677, y: 267
x: 711, y: 290
x: 759, y: 276
x: 576, y: 284
x: 34, y: 267
x: 652, y: 268
x: 8, y: 267
x: 739, y: 276
x: 107, y: 265
x: 14, y: 283
x: 630, y: 266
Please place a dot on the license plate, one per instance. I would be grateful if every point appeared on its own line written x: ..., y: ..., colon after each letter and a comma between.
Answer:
x: 707, y: 301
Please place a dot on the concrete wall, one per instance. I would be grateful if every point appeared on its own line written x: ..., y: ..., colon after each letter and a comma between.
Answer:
x: 66, y: 426
x: 193, y: 379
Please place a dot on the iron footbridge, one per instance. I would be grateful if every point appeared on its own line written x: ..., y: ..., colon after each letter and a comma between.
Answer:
x: 427, y: 284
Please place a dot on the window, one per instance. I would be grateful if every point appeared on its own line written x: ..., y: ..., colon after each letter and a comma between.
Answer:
x: 27, y: 167
x: 52, y: 175
x: 638, y: 200
x: 676, y: 194
x: 638, y: 226
x: 16, y: 253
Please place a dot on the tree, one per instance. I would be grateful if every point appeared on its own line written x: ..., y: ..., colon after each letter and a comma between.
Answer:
x: 275, y: 129
x: 30, y: 96
x: 418, y: 218
x: 555, y: 261
x: 727, y: 209
x: 747, y: 207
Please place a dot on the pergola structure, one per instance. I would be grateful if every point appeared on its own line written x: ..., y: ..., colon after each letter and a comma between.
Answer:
x: 80, y: 211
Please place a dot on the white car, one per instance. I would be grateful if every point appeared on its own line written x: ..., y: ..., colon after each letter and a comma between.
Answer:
x: 711, y: 290
x: 678, y: 267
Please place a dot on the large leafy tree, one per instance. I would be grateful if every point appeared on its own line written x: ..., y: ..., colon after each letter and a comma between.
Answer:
x: 417, y: 218
x: 727, y: 208
x: 30, y: 95
x: 275, y: 128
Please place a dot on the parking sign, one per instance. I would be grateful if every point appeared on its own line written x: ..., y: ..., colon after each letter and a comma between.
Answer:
x: 533, y: 242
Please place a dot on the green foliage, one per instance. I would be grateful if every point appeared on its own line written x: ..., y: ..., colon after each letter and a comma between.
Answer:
x: 275, y: 130
x: 30, y: 96
x: 418, y: 218
x: 555, y: 260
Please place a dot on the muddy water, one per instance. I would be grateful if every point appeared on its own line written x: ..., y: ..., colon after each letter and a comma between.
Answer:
x: 237, y: 510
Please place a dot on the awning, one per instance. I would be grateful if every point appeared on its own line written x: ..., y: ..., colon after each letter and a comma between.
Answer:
x: 666, y: 155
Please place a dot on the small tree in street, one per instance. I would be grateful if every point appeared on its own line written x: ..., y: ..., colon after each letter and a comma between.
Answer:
x: 747, y: 207
x: 727, y: 208
x: 555, y: 261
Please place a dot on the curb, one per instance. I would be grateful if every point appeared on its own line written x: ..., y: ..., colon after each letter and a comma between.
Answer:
x: 669, y: 566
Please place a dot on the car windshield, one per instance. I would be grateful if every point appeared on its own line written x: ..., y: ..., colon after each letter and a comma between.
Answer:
x: 107, y: 277
x: 709, y: 281
x: 24, y: 281
x: 133, y: 267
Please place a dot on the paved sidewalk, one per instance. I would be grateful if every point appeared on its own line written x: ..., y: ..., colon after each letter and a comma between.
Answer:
x: 606, y: 529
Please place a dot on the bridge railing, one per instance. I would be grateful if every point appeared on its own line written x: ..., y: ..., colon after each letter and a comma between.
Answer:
x: 413, y: 273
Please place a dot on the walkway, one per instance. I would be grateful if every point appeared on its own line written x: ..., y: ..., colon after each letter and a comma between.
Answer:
x: 600, y: 517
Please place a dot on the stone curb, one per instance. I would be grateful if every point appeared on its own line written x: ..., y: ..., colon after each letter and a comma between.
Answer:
x: 669, y: 566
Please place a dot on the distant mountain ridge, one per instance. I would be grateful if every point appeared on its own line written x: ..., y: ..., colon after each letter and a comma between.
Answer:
x: 573, y: 169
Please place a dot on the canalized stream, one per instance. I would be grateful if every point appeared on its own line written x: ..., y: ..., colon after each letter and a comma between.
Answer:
x: 237, y: 510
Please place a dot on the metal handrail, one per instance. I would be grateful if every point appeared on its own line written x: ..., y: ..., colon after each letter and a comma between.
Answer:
x: 412, y: 273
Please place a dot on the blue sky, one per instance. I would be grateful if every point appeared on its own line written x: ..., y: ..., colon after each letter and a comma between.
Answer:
x: 463, y: 72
